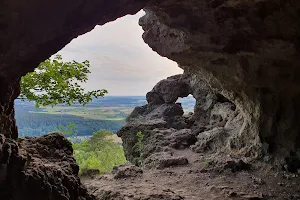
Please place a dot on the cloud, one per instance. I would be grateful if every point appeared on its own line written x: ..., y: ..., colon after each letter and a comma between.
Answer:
x: 120, y: 60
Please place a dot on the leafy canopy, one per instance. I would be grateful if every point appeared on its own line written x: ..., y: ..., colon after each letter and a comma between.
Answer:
x: 99, y: 152
x: 57, y: 82
x: 70, y: 129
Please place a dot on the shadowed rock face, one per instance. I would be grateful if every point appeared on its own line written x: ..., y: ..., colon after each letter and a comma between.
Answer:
x: 39, y: 168
x: 246, y: 50
x: 9, y: 91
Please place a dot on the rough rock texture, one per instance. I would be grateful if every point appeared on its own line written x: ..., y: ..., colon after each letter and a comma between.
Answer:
x: 244, y: 52
x: 213, y: 127
x: 248, y: 51
x: 195, y: 156
x: 216, y: 126
x: 164, y: 160
x: 168, y: 90
x: 39, y: 168
x: 9, y: 91
x: 126, y: 171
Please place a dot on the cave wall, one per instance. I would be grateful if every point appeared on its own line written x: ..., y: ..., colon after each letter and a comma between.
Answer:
x: 9, y: 91
x: 246, y: 50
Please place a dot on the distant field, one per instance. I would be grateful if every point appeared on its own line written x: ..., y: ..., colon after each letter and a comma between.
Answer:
x: 104, y: 113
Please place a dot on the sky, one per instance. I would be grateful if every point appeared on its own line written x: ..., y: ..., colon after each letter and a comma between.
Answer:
x: 120, y: 60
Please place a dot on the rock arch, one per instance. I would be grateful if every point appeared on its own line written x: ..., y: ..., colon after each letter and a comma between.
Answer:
x: 248, y: 51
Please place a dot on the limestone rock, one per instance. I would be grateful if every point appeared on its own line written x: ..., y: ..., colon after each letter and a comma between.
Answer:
x: 40, y: 168
x: 169, y: 90
x: 164, y: 160
x: 126, y: 171
x: 247, y: 51
x: 181, y: 139
x: 211, y: 140
x: 215, y: 125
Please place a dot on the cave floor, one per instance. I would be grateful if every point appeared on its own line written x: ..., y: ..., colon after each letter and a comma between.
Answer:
x: 204, y: 178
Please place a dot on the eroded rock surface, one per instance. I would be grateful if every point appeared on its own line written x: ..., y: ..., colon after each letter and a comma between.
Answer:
x: 126, y: 171
x: 245, y: 50
x: 205, y: 157
x: 39, y: 168
x: 214, y: 125
x: 242, y: 53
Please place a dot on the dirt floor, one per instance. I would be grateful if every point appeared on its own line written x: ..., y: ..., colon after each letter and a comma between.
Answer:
x: 203, y: 178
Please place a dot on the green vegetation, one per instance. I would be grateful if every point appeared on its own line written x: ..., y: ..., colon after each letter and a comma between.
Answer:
x: 101, y: 113
x: 57, y: 82
x: 99, y: 152
x: 36, y: 124
x: 69, y: 130
x: 139, y: 147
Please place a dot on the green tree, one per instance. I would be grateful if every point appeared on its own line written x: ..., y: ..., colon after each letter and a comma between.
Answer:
x: 70, y: 129
x: 57, y: 82
x: 99, y: 152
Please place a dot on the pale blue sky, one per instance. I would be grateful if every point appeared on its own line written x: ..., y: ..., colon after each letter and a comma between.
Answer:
x: 120, y: 60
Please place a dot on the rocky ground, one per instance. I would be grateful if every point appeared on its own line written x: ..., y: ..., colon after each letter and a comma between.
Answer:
x: 203, y: 178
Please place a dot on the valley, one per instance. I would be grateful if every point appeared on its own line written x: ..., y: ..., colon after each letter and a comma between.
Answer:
x: 107, y: 113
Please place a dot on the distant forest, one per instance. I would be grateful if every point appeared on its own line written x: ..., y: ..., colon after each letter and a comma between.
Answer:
x: 34, y: 124
x: 105, y: 113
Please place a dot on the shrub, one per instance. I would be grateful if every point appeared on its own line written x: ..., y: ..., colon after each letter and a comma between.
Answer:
x: 99, y: 152
x: 139, y: 147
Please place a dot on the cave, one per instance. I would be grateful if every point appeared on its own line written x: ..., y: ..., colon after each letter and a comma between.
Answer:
x: 246, y: 51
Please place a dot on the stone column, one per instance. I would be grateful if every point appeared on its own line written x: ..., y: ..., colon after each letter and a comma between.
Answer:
x: 9, y: 91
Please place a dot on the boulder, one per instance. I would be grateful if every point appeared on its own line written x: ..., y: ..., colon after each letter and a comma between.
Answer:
x: 40, y: 168
x: 126, y: 171
x: 164, y: 160
x: 168, y: 90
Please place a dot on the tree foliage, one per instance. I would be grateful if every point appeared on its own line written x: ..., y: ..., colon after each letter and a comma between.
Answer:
x: 70, y: 129
x: 99, y: 152
x: 57, y: 82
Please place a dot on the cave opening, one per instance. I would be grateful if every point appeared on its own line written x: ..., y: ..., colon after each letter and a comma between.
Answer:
x: 115, y: 59
x: 121, y: 62
x: 187, y: 103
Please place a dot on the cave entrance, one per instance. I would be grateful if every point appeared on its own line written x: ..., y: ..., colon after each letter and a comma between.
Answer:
x: 120, y: 62
x: 187, y: 103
